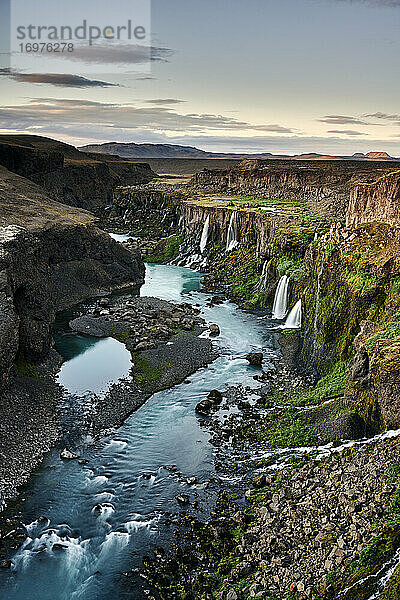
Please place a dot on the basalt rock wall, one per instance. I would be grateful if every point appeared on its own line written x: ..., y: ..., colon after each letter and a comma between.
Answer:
x: 377, y: 201
x: 67, y: 175
x: 151, y: 208
x: 51, y: 256
x: 326, y: 183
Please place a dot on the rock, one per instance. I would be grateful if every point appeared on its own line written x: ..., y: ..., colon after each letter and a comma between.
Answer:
x: 255, y: 358
x: 183, y: 499
x: 83, y: 461
x: 6, y: 564
x: 214, y: 330
x: 217, y: 300
x: 59, y: 547
x: 68, y: 455
x: 359, y: 367
x: 260, y: 481
x: 42, y: 519
x: 215, y: 396
x: 170, y: 468
x: 104, y: 302
x: 204, y: 407
x: 143, y: 346
x: 233, y: 595
x: 191, y: 480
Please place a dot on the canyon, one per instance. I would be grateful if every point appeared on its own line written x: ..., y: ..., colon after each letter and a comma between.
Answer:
x: 315, y: 245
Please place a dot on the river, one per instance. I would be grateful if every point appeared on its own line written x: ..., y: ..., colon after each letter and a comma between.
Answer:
x: 87, y: 523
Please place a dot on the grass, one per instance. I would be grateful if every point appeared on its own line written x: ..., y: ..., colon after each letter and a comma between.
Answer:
x: 288, y: 429
x: 145, y: 372
x: 24, y: 368
x: 332, y: 385
x: 168, y: 252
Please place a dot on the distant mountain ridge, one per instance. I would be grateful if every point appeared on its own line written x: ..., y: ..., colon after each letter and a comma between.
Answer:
x: 143, y: 151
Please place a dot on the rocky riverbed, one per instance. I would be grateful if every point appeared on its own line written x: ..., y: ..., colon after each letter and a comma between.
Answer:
x: 291, y: 522
x: 166, y: 343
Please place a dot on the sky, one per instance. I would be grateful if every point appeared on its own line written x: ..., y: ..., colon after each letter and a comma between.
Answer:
x: 281, y: 76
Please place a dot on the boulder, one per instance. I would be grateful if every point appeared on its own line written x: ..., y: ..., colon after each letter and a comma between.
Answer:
x: 68, y: 455
x: 214, y: 330
x: 183, y: 499
x: 255, y: 358
x: 204, y: 407
x: 215, y: 396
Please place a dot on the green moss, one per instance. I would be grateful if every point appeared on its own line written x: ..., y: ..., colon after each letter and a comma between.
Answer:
x: 361, y: 282
x: 145, y: 372
x: 389, y: 331
x: 288, y: 428
x: 24, y: 367
x: 239, y: 272
x: 332, y: 385
x: 166, y: 250
x: 291, y: 266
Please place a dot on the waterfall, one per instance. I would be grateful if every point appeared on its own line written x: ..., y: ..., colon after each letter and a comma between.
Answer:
x: 261, y: 285
x: 204, y: 235
x: 317, y: 300
x: 294, y: 317
x: 281, y: 298
x: 231, y: 241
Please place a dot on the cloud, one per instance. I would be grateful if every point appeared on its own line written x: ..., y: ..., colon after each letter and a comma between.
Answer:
x: 161, y: 101
x: 58, y: 79
x: 381, y: 3
x: 385, y: 116
x: 346, y: 132
x: 341, y: 120
x: 122, y: 54
x: 273, y: 128
x: 80, y: 121
x: 45, y: 111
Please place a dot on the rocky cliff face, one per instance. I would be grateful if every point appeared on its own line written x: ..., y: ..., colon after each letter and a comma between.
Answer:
x: 326, y: 183
x: 67, y: 175
x: 377, y: 201
x: 344, y: 276
x: 147, y: 210
x: 51, y: 256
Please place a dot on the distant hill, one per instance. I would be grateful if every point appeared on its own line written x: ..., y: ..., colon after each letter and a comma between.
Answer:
x: 132, y: 150
x: 147, y: 151
x: 379, y: 155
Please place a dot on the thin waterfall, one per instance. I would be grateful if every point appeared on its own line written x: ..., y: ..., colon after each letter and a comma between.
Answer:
x: 261, y: 284
x: 231, y: 241
x: 279, y: 309
x: 204, y: 235
x: 294, y: 317
x: 317, y: 300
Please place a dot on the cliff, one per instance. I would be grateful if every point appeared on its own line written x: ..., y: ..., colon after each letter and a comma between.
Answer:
x: 51, y: 256
x: 377, y: 201
x: 344, y: 276
x: 326, y: 184
x: 67, y: 175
